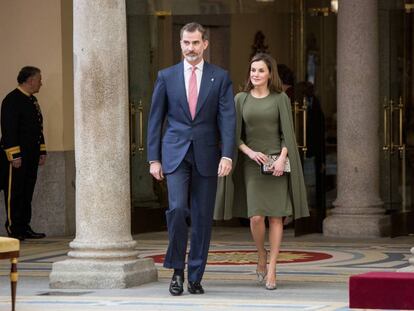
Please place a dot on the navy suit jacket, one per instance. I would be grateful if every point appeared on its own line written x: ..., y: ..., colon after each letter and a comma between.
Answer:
x: 171, y: 130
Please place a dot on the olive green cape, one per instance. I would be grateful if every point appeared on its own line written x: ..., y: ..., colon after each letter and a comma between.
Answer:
x: 231, y: 194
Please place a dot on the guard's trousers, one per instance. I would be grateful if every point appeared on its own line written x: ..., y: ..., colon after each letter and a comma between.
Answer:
x: 18, y: 193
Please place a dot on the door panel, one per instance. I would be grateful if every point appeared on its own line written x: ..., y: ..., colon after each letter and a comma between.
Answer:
x: 315, y: 95
x: 398, y: 125
x: 147, y: 196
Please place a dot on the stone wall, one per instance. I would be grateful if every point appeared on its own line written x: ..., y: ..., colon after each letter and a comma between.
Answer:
x: 53, y: 205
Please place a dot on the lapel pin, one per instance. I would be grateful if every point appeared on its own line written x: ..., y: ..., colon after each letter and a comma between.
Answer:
x: 212, y: 79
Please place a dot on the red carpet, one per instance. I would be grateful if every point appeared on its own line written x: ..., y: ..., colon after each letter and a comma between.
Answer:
x: 249, y: 257
x: 382, y: 290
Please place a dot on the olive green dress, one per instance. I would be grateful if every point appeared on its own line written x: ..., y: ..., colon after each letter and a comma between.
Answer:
x: 231, y: 199
x: 266, y: 195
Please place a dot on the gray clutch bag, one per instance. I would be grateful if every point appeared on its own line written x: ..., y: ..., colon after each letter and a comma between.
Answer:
x: 265, y: 168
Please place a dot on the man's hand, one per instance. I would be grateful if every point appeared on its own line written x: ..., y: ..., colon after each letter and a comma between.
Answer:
x: 224, y: 167
x: 156, y: 170
x: 16, y: 163
x: 42, y: 159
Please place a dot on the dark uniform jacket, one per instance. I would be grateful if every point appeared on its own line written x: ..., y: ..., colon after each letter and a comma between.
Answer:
x: 21, y: 128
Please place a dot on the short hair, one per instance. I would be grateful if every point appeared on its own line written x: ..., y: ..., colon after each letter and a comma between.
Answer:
x: 286, y: 75
x: 274, y: 84
x: 193, y: 27
x: 27, y: 72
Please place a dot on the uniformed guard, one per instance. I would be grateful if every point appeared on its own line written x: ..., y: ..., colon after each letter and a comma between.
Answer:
x: 23, y: 147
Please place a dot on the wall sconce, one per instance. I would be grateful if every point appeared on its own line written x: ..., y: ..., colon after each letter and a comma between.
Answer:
x: 325, y: 11
x: 334, y: 6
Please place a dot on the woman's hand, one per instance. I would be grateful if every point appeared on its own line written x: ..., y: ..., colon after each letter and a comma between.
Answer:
x: 258, y: 157
x: 279, y: 166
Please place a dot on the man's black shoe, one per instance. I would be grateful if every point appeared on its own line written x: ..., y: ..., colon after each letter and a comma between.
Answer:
x: 176, y: 285
x: 30, y: 234
x: 195, y: 288
x: 18, y: 236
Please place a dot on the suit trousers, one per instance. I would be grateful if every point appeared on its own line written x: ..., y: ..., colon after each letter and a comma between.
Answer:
x: 18, y: 193
x: 191, y: 205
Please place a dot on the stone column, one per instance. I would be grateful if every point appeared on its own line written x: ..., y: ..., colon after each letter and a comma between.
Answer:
x: 358, y: 208
x: 103, y: 253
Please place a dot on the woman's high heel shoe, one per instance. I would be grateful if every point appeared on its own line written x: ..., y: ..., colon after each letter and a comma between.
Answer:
x: 261, y: 274
x: 271, y: 286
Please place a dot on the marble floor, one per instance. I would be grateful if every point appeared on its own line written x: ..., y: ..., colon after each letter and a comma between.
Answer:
x: 312, y: 273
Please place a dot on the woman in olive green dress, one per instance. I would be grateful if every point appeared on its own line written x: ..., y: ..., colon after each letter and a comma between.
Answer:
x: 264, y: 128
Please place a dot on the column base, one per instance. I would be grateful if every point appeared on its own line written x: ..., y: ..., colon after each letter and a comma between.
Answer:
x: 357, y: 226
x: 410, y: 268
x: 406, y: 269
x: 81, y: 273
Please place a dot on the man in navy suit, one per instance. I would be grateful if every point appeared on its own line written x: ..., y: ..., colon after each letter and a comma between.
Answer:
x: 191, y: 131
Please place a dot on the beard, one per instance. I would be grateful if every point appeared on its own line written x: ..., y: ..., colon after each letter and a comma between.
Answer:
x: 191, y: 57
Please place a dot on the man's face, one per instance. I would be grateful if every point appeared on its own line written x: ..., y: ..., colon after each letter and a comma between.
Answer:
x: 34, y: 83
x: 193, y: 46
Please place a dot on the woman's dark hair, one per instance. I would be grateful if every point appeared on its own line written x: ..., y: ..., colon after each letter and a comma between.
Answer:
x: 27, y: 72
x: 193, y: 27
x: 274, y: 83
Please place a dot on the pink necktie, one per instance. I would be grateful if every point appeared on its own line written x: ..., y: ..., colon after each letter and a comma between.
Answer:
x: 192, y: 92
